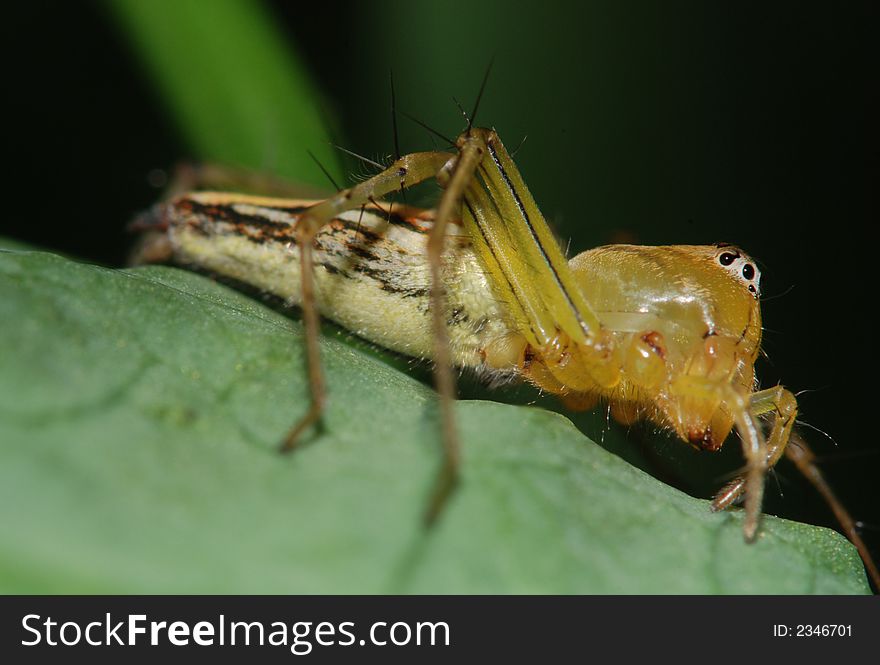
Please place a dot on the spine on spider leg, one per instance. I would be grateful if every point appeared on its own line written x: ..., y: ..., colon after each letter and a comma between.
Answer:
x: 371, y: 268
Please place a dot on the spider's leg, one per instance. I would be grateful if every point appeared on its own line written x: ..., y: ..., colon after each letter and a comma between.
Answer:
x: 784, y: 440
x: 804, y: 459
x: 405, y: 172
x: 448, y: 208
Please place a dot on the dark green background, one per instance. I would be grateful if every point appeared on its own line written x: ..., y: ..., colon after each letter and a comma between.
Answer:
x: 666, y: 122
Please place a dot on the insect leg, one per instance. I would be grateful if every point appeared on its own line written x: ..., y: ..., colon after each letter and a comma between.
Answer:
x: 405, y: 172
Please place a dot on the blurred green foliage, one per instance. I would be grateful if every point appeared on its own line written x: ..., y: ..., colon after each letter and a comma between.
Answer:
x: 237, y: 91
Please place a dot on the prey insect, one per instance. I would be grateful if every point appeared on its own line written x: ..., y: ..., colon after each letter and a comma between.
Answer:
x: 668, y: 334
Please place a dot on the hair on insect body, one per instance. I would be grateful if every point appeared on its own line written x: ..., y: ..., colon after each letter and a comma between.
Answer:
x: 664, y: 334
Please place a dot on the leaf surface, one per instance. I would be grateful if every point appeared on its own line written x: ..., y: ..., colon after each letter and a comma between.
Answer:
x: 139, y: 416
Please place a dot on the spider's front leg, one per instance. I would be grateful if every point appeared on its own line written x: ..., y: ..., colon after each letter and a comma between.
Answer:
x: 803, y: 458
x: 783, y: 403
x: 760, y: 456
x: 784, y: 440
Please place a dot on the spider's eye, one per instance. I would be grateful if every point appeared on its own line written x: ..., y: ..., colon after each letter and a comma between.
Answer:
x: 726, y: 259
x: 749, y: 271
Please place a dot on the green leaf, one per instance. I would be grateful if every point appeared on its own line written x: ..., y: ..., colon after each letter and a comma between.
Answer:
x: 139, y: 416
x: 234, y: 86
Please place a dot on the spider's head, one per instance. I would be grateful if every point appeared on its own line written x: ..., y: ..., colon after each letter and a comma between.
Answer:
x: 686, y: 323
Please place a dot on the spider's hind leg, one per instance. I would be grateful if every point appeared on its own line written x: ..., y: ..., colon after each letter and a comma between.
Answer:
x: 407, y: 171
x: 784, y: 440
